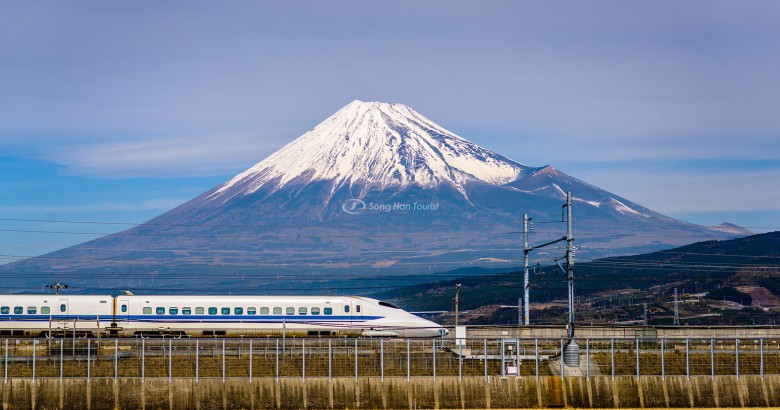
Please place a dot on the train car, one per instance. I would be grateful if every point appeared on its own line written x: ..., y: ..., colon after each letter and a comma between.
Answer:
x: 55, y: 315
x: 300, y: 316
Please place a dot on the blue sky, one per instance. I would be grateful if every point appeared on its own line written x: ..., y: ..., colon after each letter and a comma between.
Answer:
x: 117, y: 112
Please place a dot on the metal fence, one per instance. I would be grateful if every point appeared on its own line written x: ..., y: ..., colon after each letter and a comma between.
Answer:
x: 380, y: 358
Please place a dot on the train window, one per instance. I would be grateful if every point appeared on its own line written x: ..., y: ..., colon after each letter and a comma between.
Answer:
x: 186, y: 311
x: 45, y: 310
x: 346, y: 309
x: 357, y: 308
x: 199, y: 310
x: 327, y: 311
x: 147, y: 310
x: 277, y: 311
x: 263, y: 310
x: 225, y: 311
x: 5, y: 310
x: 315, y: 311
x: 238, y: 311
x: 159, y: 310
x: 385, y: 304
x: 64, y: 307
x: 173, y: 311
x: 251, y: 311
x: 212, y: 310
x: 31, y: 310
x: 18, y: 310
x: 303, y: 311
x: 290, y: 311
x: 123, y: 308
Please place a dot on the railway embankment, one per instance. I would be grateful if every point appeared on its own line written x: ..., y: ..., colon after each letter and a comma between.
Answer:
x: 394, y: 393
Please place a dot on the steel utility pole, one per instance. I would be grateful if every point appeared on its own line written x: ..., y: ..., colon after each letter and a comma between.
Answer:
x: 570, y: 264
x: 526, y: 251
x: 676, y: 309
x: 644, y: 319
x: 457, y: 291
x: 57, y: 286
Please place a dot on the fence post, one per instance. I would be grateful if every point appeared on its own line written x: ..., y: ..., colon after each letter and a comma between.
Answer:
x: 330, y: 360
x: 587, y: 358
x: 170, y: 360
x: 382, y: 360
x: 688, y: 358
x: 503, y: 347
x: 485, y: 353
x: 536, y: 351
x: 760, y: 343
x: 277, y: 360
x: 663, y: 370
x: 251, y: 352
x: 143, y: 360
x: 223, y: 361
x: 5, y: 367
x: 408, y: 361
x: 116, y: 358
x: 33, y: 360
x: 612, y: 354
x: 637, y: 359
x: 736, y: 350
x: 303, y: 360
x: 356, y: 360
x: 562, y: 370
x: 197, y: 360
x: 712, y: 358
x: 434, y: 360
x: 89, y: 354
x: 62, y: 349
x: 460, y: 361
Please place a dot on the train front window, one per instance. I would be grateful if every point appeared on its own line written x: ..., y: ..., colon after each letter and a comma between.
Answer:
x: 147, y: 310
x: 173, y: 311
x: 290, y: 311
x: 212, y: 310
x: 45, y: 310
x: 159, y: 310
x: 18, y: 310
x: 302, y: 311
x: 5, y: 310
x: 315, y: 311
x: 31, y: 310
x: 225, y: 311
x: 327, y: 311
x: 238, y: 311
x: 385, y: 304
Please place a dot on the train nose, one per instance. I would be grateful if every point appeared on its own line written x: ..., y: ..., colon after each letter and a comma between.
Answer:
x: 443, y: 332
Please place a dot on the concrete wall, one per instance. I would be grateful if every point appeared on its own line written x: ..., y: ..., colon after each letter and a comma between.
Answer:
x: 617, y: 332
x: 393, y: 393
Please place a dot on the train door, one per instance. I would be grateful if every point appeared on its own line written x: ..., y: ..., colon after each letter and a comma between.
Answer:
x: 123, y: 310
x: 348, y: 311
x: 357, y: 315
x: 63, y: 313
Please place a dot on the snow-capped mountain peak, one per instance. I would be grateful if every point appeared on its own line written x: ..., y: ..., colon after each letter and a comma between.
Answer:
x: 379, y: 145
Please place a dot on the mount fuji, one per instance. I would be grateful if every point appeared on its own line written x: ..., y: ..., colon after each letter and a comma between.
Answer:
x: 375, y: 189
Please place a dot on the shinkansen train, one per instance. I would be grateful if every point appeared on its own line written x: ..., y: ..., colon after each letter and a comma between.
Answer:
x: 207, y: 316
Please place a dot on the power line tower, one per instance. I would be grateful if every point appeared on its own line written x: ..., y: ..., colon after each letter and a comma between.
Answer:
x: 57, y: 286
x: 457, y: 300
x: 676, y: 309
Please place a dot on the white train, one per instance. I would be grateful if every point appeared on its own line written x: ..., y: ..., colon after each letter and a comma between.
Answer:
x: 207, y: 316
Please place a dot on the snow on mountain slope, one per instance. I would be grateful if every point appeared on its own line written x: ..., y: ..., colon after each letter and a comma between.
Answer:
x: 378, y: 145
